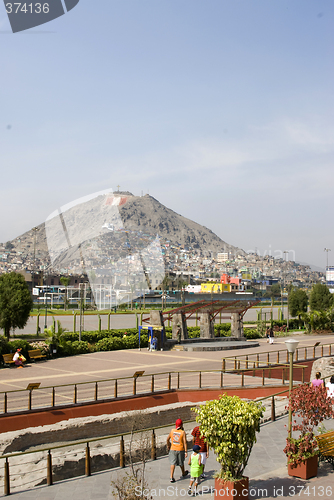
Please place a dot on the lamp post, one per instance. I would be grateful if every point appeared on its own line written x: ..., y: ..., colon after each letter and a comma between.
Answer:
x: 46, y: 311
x: 35, y: 229
x: 291, y: 346
x: 287, y: 316
x: 81, y: 296
x: 327, y: 250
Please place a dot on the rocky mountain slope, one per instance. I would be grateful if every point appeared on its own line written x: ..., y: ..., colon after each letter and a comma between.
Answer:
x: 138, y: 213
x: 148, y: 214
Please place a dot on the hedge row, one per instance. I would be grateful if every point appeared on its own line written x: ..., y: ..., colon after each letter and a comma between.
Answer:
x: 110, y: 340
x: 293, y: 323
x: 74, y: 346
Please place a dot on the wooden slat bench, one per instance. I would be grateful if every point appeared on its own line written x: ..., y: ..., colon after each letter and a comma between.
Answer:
x: 8, y: 359
x: 36, y: 354
x: 326, y: 447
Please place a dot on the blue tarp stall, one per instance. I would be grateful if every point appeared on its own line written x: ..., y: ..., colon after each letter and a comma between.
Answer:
x: 150, y: 330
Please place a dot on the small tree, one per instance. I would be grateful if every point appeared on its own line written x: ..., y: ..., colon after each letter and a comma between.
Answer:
x: 298, y: 301
x: 132, y: 485
x: 65, y: 281
x: 274, y: 292
x: 229, y: 425
x: 15, y: 302
x: 54, y: 337
x: 321, y: 298
x: 313, y: 406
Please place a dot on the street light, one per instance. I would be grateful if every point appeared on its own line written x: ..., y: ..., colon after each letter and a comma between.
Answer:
x: 35, y: 229
x: 327, y: 250
x: 287, y: 316
x: 291, y: 346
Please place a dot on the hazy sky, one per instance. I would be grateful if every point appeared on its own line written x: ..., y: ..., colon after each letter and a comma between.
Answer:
x: 220, y: 109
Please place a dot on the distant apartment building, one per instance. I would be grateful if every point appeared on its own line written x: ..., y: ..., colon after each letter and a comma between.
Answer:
x: 330, y: 278
x: 222, y: 257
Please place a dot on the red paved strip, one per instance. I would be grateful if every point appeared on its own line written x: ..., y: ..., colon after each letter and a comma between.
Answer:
x: 48, y: 417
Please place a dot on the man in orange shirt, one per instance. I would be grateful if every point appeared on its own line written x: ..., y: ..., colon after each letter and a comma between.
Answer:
x: 177, y: 446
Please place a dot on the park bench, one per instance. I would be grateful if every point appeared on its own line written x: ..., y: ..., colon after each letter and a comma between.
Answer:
x: 8, y: 359
x: 326, y: 447
x: 36, y: 354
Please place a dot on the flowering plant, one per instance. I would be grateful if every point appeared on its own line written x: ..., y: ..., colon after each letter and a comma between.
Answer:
x: 311, y: 405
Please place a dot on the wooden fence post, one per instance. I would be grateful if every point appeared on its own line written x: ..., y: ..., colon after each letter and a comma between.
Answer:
x: 49, y: 480
x: 87, y: 461
x: 273, y: 416
x: 6, y: 478
x: 121, y: 453
x: 153, y: 447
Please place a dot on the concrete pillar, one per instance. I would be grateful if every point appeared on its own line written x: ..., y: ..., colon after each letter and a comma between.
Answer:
x: 156, y: 318
x: 237, y: 326
x: 206, y: 326
x: 179, y: 328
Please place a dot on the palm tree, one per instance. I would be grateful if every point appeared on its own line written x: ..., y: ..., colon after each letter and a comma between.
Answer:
x: 54, y: 337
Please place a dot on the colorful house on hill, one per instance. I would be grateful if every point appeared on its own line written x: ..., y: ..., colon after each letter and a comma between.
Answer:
x: 213, y: 287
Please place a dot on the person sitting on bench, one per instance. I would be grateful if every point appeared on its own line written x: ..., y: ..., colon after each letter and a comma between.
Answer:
x: 18, y: 358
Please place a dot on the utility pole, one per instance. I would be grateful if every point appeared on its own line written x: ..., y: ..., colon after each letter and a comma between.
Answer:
x: 327, y: 250
x: 35, y: 229
x: 287, y: 317
x: 81, y: 290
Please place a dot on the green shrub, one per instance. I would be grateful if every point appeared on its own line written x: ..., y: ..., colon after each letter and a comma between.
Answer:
x: 223, y: 330
x: 194, y: 332
x: 4, y: 349
x: 109, y: 344
x: 80, y: 347
x: 66, y: 349
x: 70, y: 336
x: 252, y: 333
x: 23, y: 344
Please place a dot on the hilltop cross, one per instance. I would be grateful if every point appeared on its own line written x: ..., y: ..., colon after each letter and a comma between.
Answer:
x: 118, y: 188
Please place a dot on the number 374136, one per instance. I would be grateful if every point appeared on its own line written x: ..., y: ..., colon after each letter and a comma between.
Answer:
x: 27, y: 8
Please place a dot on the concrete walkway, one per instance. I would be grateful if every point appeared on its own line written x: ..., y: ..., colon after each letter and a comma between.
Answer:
x: 266, y: 469
x: 116, y: 364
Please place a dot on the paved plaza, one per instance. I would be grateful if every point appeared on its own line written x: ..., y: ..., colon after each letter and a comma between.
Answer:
x: 267, y: 466
x: 117, y: 364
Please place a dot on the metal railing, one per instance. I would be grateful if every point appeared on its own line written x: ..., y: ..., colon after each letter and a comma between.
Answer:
x: 48, y: 452
x: 276, y: 357
x: 66, y: 395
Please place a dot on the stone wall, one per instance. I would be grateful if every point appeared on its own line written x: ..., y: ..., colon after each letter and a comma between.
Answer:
x: 89, y: 427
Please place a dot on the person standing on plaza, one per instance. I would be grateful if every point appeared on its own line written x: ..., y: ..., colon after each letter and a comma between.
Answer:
x: 195, y: 468
x: 204, y: 449
x: 271, y: 335
x: 330, y: 387
x: 317, y: 382
x: 177, y: 446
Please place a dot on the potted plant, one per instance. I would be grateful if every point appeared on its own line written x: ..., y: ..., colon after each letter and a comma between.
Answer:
x: 229, y: 425
x: 312, y: 406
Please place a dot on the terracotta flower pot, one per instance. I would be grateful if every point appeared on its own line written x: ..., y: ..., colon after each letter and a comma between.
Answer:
x: 236, y: 490
x: 306, y: 469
